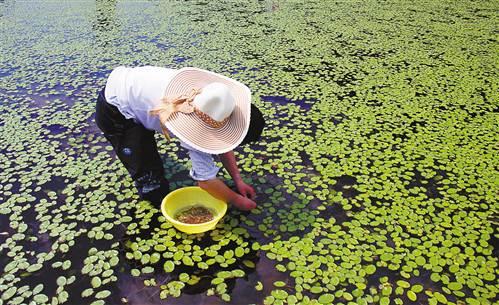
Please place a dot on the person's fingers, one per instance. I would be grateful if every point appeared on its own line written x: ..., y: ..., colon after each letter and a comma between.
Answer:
x: 244, y: 203
x: 248, y: 192
x: 249, y: 195
x: 252, y: 204
x: 245, y: 192
x: 249, y: 205
x: 252, y: 193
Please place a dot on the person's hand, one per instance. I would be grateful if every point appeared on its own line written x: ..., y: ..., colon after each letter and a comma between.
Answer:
x: 244, y: 203
x: 245, y: 190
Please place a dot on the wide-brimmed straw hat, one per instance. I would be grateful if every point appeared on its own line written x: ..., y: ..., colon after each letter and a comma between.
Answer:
x: 208, y: 111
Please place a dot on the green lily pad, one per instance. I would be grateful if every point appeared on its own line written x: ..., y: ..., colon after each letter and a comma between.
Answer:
x: 326, y: 298
x: 411, y: 295
x: 169, y: 266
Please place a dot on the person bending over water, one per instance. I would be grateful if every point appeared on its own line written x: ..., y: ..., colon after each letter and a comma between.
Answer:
x: 208, y: 113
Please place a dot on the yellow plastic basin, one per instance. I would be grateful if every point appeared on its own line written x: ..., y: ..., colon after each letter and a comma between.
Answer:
x: 188, y: 196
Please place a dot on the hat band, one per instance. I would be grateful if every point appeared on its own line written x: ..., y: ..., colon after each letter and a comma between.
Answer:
x: 209, y: 121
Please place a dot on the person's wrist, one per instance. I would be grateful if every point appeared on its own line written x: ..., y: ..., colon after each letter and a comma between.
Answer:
x: 238, y: 181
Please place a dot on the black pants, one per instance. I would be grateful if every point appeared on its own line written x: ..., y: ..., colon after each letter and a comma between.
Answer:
x: 136, y: 147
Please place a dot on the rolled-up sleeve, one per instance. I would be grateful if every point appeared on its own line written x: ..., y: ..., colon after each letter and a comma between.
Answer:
x: 203, y: 164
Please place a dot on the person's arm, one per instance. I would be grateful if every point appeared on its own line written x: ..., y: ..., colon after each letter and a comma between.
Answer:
x: 204, y: 171
x: 218, y: 189
x: 229, y: 161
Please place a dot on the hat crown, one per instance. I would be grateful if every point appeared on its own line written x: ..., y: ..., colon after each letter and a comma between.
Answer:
x: 200, y: 130
x: 216, y: 101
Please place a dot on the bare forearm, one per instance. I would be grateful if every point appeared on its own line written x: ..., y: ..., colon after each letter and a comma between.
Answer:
x: 218, y: 189
x: 230, y: 164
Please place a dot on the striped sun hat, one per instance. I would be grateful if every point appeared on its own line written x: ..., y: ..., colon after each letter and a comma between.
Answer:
x: 206, y: 110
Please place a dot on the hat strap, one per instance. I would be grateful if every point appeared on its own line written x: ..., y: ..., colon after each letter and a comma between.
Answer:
x: 182, y: 103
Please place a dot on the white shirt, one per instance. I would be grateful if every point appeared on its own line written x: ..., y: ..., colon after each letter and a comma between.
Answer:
x: 136, y: 91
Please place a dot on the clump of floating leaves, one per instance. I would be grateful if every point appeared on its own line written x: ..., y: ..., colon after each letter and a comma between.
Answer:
x: 376, y: 175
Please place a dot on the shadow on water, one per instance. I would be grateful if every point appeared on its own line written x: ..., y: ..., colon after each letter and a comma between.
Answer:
x: 335, y: 211
x: 422, y: 279
x: 132, y: 288
x: 241, y: 289
x: 429, y: 184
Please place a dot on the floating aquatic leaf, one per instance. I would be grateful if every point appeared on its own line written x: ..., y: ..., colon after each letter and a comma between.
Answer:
x: 155, y: 257
x: 279, y: 294
x: 34, y: 267
x: 347, y: 296
x: 411, y: 295
x: 96, y: 282
x: 145, y: 270
x: 384, y: 301
x: 87, y: 292
x: 38, y: 288
x: 370, y: 269
x: 226, y: 297
x: 249, y: 264
x: 315, y: 289
x: 326, y: 298
x: 103, y: 294
x: 259, y: 286
x: 135, y: 272
x: 169, y: 266
x: 417, y: 288
x: 403, y: 284
x: 238, y: 273
x: 9, y: 293
x: 61, y: 281
x: 184, y: 277
x: 40, y: 298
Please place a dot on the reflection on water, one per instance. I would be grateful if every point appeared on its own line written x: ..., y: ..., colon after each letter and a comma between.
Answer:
x: 105, y: 20
x: 272, y: 5
x: 3, y: 7
x: 281, y: 100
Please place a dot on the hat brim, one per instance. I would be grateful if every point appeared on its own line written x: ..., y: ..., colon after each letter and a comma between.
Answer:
x: 192, y: 130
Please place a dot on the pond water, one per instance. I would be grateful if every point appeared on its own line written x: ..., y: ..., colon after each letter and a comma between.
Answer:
x: 377, y: 173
